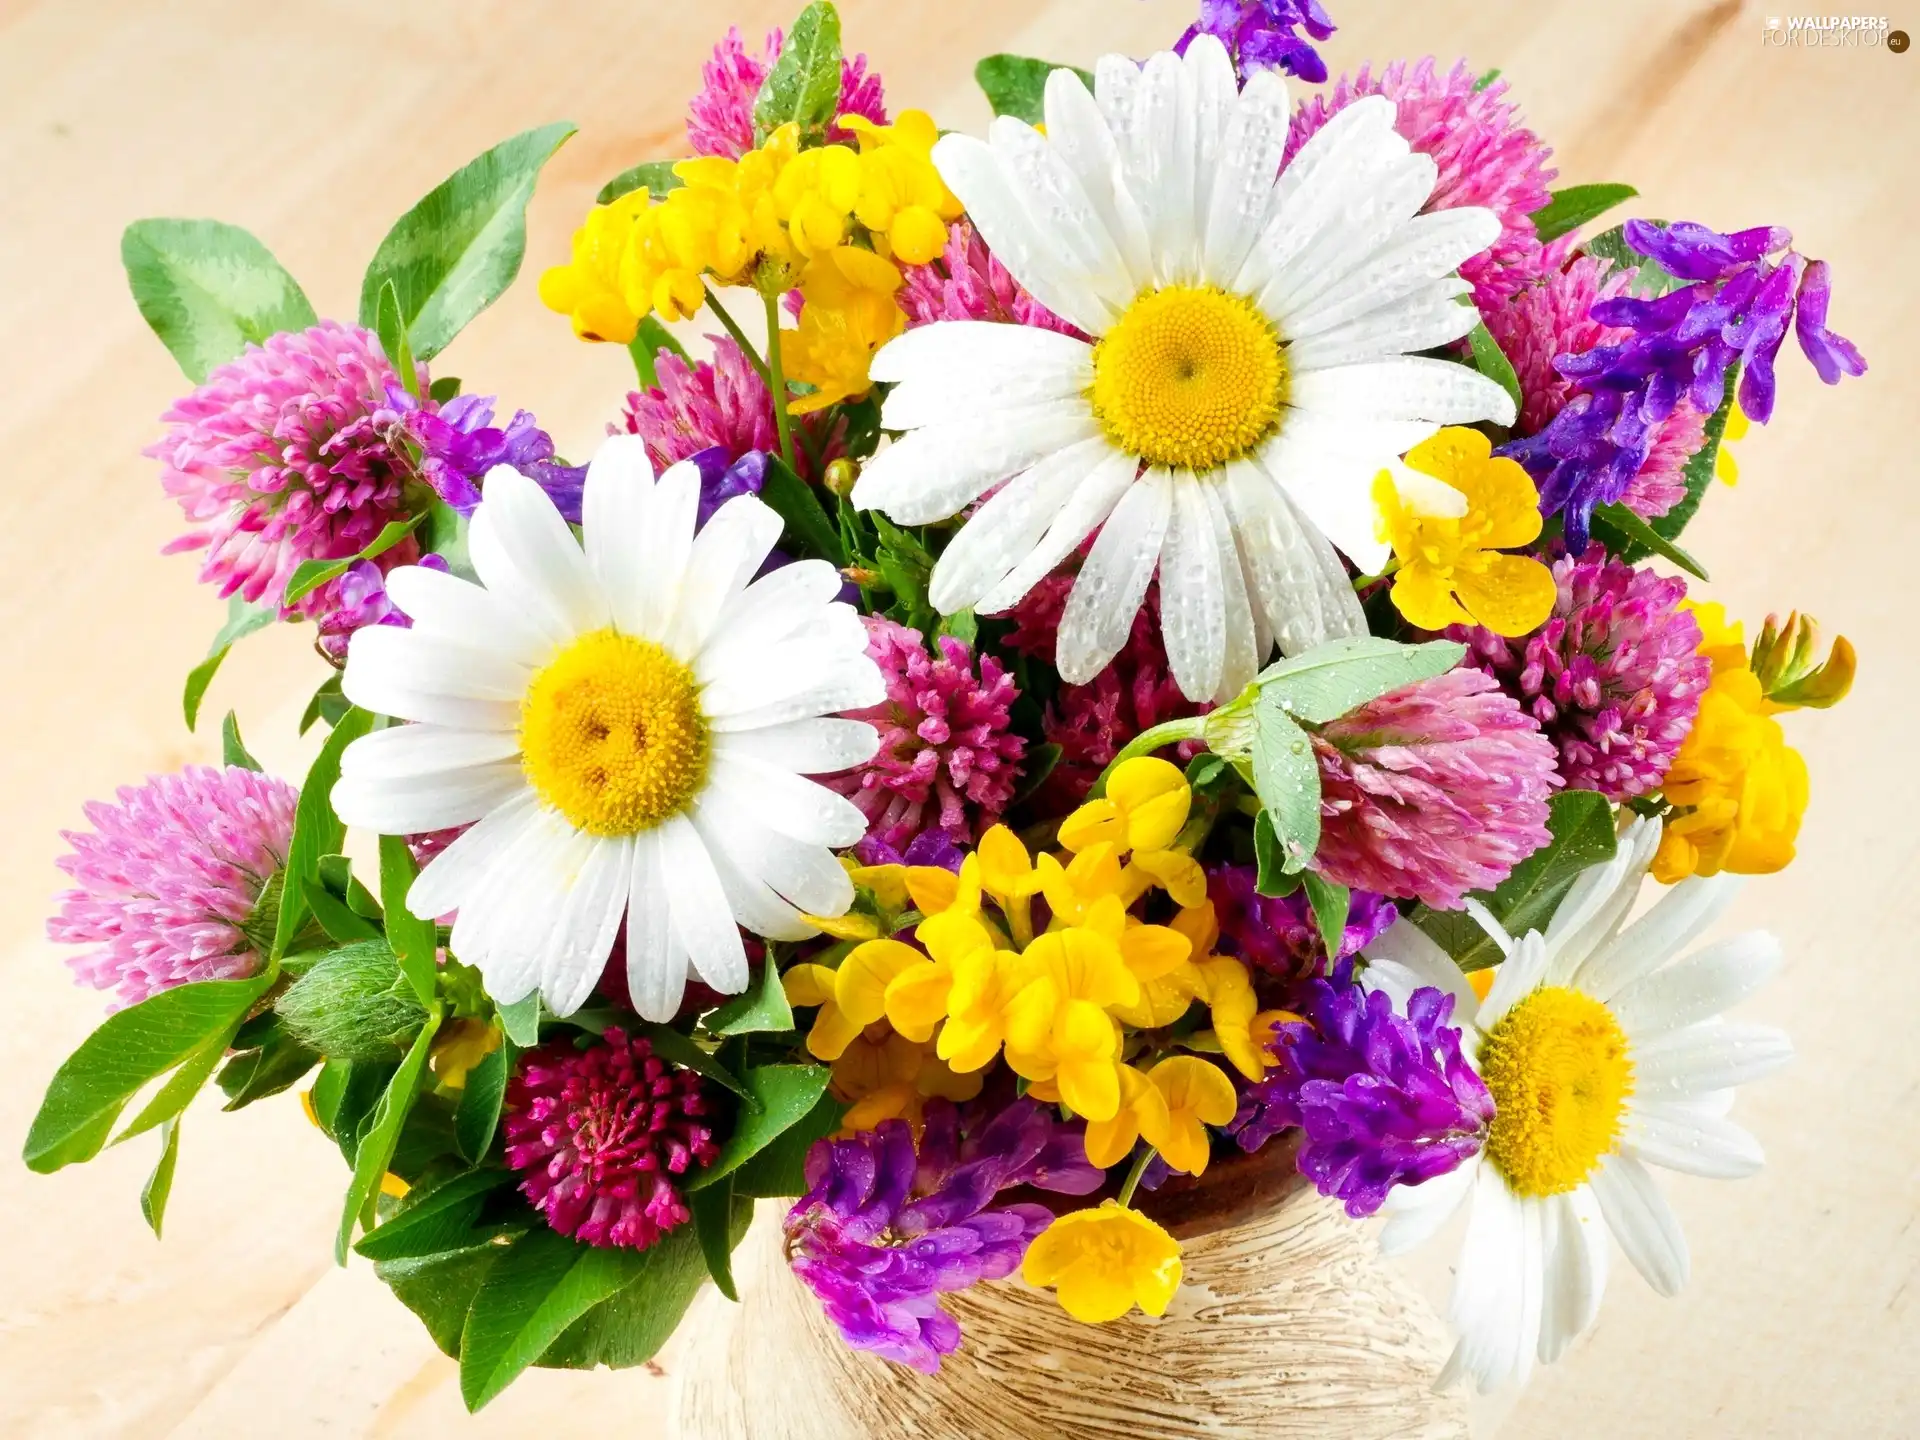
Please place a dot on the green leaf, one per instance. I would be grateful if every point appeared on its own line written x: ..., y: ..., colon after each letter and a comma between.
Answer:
x: 440, y: 1288
x: 1330, y: 903
x: 630, y: 1327
x: 808, y: 531
x: 962, y: 625
x: 803, y: 88
x: 242, y: 620
x: 785, y: 1095
x: 327, y: 703
x: 269, y: 1067
x: 655, y: 175
x: 1652, y: 281
x: 764, y: 1007
x: 153, y: 1195
x: 317, y: 831
x: 781, y: 1168
x: 1331, y: 679
x: 670, y: 1045
x: 432, y: 1221
x: 1016, y: 85
x: 445, y: 388
x: 1631, y: 538
x: 1287, y: 779
x: 336, y: 917
x: 1573, y: 207
x: 392, y: 333
x: 128, y: 1051
x: 1581, y: 823
x: 536, y: 1290
x: 479, y: 1113
x: 1491, y: 361
x: 1700, y: 468
x: 415, y: 941
x: 456, y: 251
x: 650, y: 337
x: 208, y: 289
x: 521, y: 1021
x: 1271, y: 875
x: 375, y: 1149
x: 712, y: 1213
x: 309, y: 575
x: 188, y: 1081
x: 233, y: 750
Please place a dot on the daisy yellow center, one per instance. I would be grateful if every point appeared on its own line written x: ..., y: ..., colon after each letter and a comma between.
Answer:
x: 611, y: 734
x: 1559, y: 1071
x: 1190, y: 377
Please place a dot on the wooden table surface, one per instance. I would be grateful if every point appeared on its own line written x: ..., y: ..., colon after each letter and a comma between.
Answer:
x: 315, y: 125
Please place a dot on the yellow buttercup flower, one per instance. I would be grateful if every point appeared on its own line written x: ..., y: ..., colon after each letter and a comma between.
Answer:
x: 1105, y: 1261
x: 849, y: 313
x: 1198, y: 1094
x: 587, y: 288
x: 984, y: 987
x: 1722, y: 641
x: 1738, y: 789
x: 1448, y: 513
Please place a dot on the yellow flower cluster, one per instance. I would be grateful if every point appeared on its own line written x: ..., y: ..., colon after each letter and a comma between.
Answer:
x: 832, y: 220
x: 1738, y: 789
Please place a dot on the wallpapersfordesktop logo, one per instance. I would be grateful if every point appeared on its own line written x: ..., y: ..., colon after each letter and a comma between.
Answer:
x: 1832, y: 32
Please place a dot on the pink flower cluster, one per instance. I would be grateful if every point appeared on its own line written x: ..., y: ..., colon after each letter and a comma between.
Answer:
x: 697, y: 406
x: 720, y: 117
x: 968, y: 283
x: 948, y: 757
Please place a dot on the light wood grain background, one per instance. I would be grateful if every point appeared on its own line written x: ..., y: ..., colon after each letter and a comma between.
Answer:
x: 314, y: 125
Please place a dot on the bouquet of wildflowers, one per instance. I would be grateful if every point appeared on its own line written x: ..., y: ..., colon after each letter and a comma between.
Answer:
x: 1156, y: 633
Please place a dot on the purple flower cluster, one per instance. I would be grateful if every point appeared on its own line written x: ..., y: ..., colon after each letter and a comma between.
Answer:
x: 458, y: 443
x: 883, y: 1231
x: 1277, y: 933
x: 1744, y: 289
x: 1384, y: 1099
x: 1262, y: 34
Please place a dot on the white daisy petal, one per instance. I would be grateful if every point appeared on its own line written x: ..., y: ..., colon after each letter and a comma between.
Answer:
x: 1111, y: 584
x: 851, y: 686
x: 786, y: 600
x: 1405, y: 944
x: 729, y: 549
x: 1048, y: 186
x: 1078, y: 131
x: 796, y: 807
x: 1247, y: 642
x: 445, y: 881
x: 939, y: 470
x: 615, y: 512
x: 422, y: 679
x: 1683, y: 1138
x: 1426, y: 248
x: 702, y: 919
x: 656, y: 959
x: 1158, y: 158
x: 953, y: 369
x: 1576, y: 1270
x: 466, y: 614
x: 1489, y: 1304
x: 1702, y: 985
x: 1298, y: 582
x: 1328, y: 473
x: 514, y: 907
x: 808, y: 877
x: 1520, y: 974
x: 661, y: 564
x: 436, y: 800
x: 1005, y: 530
x: 1682, y: 914
x: 1415, y: 1213
x: 1310, y: 193
x: 1709, y: 1056
x: 401, y: 751
x: 1193, y: 611
x: 806, y: 747
x: 1242, y: 187
x: 1432, y: 316
x: 1597, y: 902
x: 1216, y: 99
x: 1091, y: 502
x: 577, y: 954
x: 541, y: 549
x: 772, y: 674
x: 752, y: 900
x: 1409, y: 387
x: 1643, y: 1222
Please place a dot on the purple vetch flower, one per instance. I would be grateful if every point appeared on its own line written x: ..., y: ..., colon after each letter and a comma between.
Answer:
x: 458, y: 443
x: 884, y: 1230
x: 1262, y: 35
x: 1278, y: 934
x: 930, y: 847
x: 359, y: 598
x: 1384, y: 1099
x: 1744, y: 289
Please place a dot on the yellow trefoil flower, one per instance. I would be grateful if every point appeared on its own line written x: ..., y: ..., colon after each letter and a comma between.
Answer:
x: 587, y: 288
x: 903, y: 202
x: 461, y: 1045
x: 1739, y: 790
x: 883, y: 1075
x: 1141, y: 815
x: 1057, y: 1027
x: 1448, y: 512
x: 849, y: 313
x: 1104, y: 1262
x: 1725, y: 468
x: 1169, y: 1107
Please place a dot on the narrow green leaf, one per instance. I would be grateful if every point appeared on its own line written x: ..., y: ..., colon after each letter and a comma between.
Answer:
x: 392, y: 333
x: 650, y: 337
x: 209, y: 289
x: 1016, y: 85
x: 1287, y: 779
x: 809, y: 533
x: 712, y: 1213
x: 172, y: 1098
x: 336, y: 917
x: 444, y: 388
x: 478, y: 1117
x: 803, y: 88
x: 1700, y: 468
x: 670, y: 1045
x: 785, y: 1095
x: 456, y: 251
x: 129, y: 1050
x: 1331, y: 679
x: 242, y: 620
x: 655, y: 175
x: 1491, y: 361
x: 1627, y: 535
x: 317, y: 831
x: 275, y: 1064
x: 375, y: 1149
x: 536, y: 1290
x: 1487, y: 79
x: 415, y: 941
x: 1573, y: 207
x: 153, y: 1195
x: 521, y: 1021
x: 327, y: 703
x: 1330, y: 903
x: 309, y: 575
x: 1271, y: 875
x: 434, y: 1220
x: 781, y: 1168
x: 629, y: 1327
x: 233, y: 750
x: 763, y: 1007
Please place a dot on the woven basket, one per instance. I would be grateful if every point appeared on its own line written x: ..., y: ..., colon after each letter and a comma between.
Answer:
x: 1286, y: 1325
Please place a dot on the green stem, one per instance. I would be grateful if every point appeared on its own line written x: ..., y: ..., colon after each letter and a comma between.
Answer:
x: 777, y: 381
x: 1361, y: 582
x: 1168, y: 732
x: 739, y: 335
x: 1132, y: 1182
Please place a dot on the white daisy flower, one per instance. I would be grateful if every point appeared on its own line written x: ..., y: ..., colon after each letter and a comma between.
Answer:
x: 1602, y: 1059
x: 1251, y: 369
x: 628, y: 724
